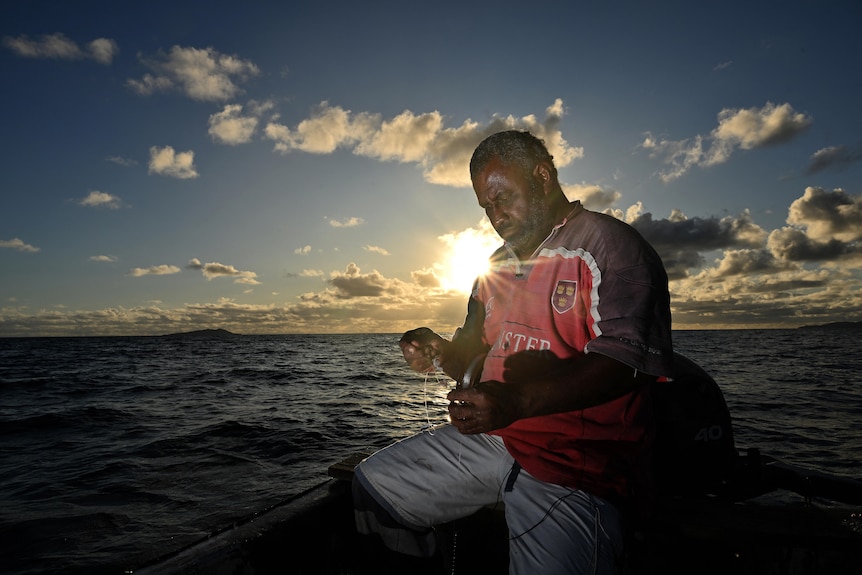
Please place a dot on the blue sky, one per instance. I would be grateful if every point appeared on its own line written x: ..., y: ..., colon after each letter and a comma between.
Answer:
x: 302, y: 167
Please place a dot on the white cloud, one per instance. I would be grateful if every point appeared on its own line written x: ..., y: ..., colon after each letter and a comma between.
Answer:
x: 326, y: 130
x: 681, y: 155
x: 165, y: 162
x: 404, y: 138
x: 122, y: 161
x: 352, y: 283
x: 377, y: 250
x: 101, y: 199
x: 48, y: 46
x: 159, y: 270
x: 103, y: 50
x: 823, y: 227
x: 230, y: 127
x: 215, y: 269
x: 200, y: 74
x: 757, y: 127
x: 592, y: 196
x: 58, y: 46
x: 426, y: 278
x: 828, y: 215
x: 149, y: 84
x: 103, y: 258
x: 17, y: 244
x: 303, y: 251
x: 737, y: 128
x: 351, y: 222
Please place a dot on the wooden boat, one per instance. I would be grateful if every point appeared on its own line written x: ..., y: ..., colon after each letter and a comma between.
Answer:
x: 818, y: 533
x: 750, y: 515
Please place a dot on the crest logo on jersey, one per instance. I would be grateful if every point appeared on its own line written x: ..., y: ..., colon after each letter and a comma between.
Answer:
x: 563, y: 298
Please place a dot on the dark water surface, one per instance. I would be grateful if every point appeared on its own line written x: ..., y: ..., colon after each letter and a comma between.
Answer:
x: 117, y: 450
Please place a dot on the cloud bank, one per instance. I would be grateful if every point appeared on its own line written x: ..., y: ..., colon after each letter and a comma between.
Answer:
x: 724, y: 271
x: 441, y: 152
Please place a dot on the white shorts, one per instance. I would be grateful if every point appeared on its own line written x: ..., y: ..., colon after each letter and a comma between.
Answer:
x: 439, y: 476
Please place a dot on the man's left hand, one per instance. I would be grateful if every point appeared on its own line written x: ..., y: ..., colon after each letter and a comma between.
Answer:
x: 487, y: 406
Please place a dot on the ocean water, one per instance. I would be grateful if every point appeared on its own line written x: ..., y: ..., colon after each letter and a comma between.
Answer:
x: 115, y: 451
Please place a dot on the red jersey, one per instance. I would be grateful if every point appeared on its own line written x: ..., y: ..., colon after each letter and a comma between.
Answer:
x: 593, y: 286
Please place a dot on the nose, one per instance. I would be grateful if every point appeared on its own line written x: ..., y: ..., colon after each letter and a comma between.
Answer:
x: 496, y: 216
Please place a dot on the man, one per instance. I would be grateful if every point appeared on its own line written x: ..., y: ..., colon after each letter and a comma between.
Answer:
x: 570, y: 327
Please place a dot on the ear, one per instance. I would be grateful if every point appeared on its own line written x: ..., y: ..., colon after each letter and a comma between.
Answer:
x: 543, y: 172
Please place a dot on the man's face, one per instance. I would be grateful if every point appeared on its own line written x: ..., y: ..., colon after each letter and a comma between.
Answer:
x: 515, y: 203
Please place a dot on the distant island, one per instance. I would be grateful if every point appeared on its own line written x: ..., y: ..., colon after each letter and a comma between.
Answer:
x: 843, y: 325
x: 203, y: 334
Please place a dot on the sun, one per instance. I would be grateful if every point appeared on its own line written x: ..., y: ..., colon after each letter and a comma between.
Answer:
x: 467, y: 256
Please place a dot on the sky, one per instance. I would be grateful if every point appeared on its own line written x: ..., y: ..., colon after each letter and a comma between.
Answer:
x: 302, y: 167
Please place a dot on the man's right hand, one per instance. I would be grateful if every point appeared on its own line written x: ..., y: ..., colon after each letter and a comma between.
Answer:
x: 421, y: 347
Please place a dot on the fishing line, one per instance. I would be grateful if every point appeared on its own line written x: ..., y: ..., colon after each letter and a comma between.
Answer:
x: 547, y: 514
x: 436, y: 370
x: 430, y: 429
x: 430, y: 426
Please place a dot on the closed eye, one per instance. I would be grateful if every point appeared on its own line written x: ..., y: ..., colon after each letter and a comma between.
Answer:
x: 500, y: 200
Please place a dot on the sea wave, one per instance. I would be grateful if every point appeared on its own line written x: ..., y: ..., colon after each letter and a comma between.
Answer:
x: 117, y: 450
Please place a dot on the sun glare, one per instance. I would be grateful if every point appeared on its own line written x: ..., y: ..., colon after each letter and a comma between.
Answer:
x: 467, y: 256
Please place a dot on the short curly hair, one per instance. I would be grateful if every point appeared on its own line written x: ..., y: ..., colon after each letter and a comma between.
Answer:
x: 512, y: 147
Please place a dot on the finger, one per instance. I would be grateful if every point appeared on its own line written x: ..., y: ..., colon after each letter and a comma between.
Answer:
x: 416, y: 361
x: 461, y: 426
x: 469, y: 426
x: 465, y: 426
x: 459, y: 411
x: 461, y: 395
x: 416, y: 349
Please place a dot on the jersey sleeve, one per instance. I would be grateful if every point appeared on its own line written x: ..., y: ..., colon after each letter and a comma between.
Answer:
x: 634, y: 322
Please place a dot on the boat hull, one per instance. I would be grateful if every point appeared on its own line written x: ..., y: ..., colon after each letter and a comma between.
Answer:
x: 314, y: 533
